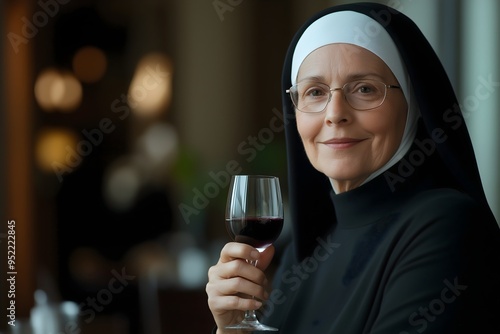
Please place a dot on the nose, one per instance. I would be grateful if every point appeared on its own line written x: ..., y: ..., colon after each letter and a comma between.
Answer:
x: 337, y: 110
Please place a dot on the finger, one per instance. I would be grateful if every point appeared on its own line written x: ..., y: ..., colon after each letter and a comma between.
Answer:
x: 236, y: 250
x: 238, y: 286
x: 235, y: 294
x: 232, y: 303
x: 237, y: 268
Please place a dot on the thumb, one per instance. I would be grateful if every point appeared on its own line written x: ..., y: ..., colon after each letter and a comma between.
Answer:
x: 265, y: 258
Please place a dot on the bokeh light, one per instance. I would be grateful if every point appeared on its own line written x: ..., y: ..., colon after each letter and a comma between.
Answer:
x: 150, y: 90
x: 121, y: 185
x: 58, y: 90
x: 159, y: 142
x: 53, y: 146
x: 90, y: 64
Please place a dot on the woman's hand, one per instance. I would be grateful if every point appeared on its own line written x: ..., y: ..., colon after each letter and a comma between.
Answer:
x: 233, y: 281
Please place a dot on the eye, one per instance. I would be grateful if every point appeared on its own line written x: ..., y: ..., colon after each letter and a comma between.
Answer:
x: 363, y: 88
x: 314, y: 92
x: 366, y: 88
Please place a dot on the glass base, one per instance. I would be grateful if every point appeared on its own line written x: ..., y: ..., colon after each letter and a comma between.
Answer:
x: 252, y: 325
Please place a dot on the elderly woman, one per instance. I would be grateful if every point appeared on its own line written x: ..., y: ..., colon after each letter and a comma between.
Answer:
x: 392, y: 231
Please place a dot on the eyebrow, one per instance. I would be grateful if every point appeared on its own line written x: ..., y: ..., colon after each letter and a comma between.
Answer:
x: 348, y: 78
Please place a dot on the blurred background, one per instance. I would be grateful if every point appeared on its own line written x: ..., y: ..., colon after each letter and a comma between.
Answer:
x: 122, y: 121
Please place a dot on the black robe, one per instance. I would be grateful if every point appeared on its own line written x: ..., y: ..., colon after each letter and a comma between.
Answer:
x: 415, y: 250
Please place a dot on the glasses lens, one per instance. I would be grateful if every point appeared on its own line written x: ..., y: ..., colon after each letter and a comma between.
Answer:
x: 310, y: 96
x: 313, y: 97
x: 364, y: 94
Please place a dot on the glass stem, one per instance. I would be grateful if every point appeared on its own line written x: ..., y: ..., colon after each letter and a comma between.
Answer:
x: 250, y: 315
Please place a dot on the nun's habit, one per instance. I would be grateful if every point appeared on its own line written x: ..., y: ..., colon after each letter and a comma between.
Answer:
x: 415, y: 248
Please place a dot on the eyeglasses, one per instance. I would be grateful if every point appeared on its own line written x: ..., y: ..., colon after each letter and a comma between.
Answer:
x: 313, y: 97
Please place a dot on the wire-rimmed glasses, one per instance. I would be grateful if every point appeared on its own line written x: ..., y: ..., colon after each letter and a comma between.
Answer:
x: 313, y: 97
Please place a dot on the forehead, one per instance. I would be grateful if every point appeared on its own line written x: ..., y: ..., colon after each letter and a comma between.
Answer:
x: 343, y: 61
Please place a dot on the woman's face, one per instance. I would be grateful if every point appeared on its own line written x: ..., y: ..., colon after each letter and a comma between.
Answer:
x: 346, y: 144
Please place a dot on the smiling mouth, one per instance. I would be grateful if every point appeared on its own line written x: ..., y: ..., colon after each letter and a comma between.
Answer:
x: 342, y: 143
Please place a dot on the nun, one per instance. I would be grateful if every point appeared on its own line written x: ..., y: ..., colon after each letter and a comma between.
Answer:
x: 392, y: 232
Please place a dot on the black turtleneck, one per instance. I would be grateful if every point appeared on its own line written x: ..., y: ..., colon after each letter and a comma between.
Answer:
x: 396, y: 262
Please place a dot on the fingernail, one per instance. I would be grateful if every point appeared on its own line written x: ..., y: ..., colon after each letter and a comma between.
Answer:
x: 258, y: 304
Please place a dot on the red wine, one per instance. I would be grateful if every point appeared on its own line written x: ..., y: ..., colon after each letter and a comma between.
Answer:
x: 258, y: 232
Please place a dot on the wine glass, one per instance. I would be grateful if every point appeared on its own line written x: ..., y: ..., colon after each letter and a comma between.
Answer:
x: 254, y: 216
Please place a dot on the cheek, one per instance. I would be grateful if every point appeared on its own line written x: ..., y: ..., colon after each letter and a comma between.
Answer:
x: 388, y: 134
x: 306, y: 127
x: 396, y: 128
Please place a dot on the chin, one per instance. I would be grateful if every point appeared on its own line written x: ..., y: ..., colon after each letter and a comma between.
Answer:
x: 341, y: 170
x: 344, y: 175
